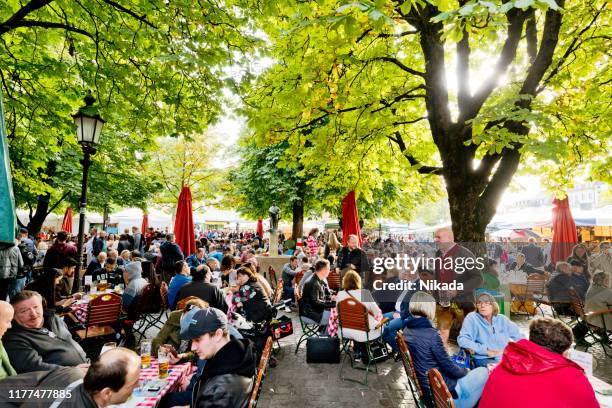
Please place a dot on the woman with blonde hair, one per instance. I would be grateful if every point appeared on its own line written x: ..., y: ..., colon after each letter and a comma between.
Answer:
x: 332, y: 245
x: 425, y: 346
x: 352, y: 288
x: 486, y: 333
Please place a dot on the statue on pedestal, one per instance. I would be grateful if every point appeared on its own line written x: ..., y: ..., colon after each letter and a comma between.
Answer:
x: 274, y: 212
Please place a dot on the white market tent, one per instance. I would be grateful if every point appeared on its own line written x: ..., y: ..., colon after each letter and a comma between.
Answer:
x: 542, y: 217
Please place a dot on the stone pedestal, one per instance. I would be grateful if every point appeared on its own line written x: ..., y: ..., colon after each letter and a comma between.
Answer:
x: 273, y: 243
x: 276, y: 262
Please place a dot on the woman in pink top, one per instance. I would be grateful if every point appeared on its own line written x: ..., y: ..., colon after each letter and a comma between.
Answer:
x: 313, y: 248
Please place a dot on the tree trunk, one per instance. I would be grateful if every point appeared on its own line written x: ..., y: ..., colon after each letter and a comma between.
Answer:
x: 297, y: 230
x: 42, y: 210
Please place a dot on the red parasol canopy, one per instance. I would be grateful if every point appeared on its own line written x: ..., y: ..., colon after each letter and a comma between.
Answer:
x: 564, y: 231
x: 67, y: 223
x: 350, y: 218
x: 183, y: 225
x: 260, y: 228
x: 145, y: 223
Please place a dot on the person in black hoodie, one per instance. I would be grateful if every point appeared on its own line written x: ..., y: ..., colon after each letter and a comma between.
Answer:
x: 229, y: 374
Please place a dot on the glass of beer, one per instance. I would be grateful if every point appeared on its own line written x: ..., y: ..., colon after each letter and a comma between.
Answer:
x: 145, y: 353
x: 163, y: 361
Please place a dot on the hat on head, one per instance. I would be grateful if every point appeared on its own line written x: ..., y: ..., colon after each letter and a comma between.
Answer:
x: 203, y: 321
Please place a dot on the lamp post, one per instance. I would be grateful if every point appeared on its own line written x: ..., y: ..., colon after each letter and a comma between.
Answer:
x: 89, y: 126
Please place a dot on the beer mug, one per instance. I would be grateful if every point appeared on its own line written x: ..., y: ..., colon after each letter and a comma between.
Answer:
x: 145, y: 353
x: 163, y: 363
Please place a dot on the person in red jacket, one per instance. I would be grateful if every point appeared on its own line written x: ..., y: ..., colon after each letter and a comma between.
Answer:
x: 535, y: 373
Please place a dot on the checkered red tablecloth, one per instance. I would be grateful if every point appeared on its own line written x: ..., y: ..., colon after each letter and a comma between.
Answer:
x: 332, y: 325
x: 80, y: 311
x: 176, y: 373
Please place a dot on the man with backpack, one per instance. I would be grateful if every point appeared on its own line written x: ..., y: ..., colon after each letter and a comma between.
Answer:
x: 10, y: 265
x: 29, y: 255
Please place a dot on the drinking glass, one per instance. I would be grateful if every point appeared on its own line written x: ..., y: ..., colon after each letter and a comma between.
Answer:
x: 163, y: 363
x: 108, y: 346
x: 145, y: 353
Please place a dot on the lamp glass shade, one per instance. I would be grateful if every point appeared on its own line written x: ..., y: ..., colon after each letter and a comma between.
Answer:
x: 88, y: 128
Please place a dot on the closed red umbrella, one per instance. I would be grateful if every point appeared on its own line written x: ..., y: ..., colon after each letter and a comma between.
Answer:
x: 67, y: 223
x: 350, y: 218
x: 183, y: 225
x: 260, y: 228
x: 145, y: 223
x: 564, y: 231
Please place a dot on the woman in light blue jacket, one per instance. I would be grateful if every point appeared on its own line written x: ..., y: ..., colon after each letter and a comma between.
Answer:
x: 486, y: 333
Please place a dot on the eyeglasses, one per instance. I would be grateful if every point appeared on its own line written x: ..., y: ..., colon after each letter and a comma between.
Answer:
x: 485, y: 302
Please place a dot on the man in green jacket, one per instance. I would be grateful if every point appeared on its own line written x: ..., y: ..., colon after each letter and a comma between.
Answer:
x: 6, y: 316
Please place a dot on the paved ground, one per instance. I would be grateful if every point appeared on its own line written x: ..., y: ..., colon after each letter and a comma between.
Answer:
x: 295, y: 384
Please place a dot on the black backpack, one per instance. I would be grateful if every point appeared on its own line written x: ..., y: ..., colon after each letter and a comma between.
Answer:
x: 29, y: 258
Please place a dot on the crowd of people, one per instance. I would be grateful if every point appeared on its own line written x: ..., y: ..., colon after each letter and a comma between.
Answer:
x: 222, y: 309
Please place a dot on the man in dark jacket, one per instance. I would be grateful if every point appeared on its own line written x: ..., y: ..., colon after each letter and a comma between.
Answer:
x: 229, y: 373
x: 558, y: 288
x: 39, y: 340
x: 533, y: 254
x: 171, y: 253
x: 316, y: 300
x: 355, y: 258
x: 203, y: 289
x: 111, y: 380
x: 59, y: 251
x: 522, y: 264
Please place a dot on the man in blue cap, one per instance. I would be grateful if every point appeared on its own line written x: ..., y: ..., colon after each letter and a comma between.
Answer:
x: 228, y: 376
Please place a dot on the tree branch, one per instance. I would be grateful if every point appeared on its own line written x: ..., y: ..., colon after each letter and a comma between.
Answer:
x: 570, y: 50
x: 515, y: 28
x: 531, y: 32
x: 463, y: 72
x: 409, y: 122
x: 399, y: 35
x: 419, y: 167
x: 487, y: 204
x: 50, y: 210
x: 142, y: 18
x: 44, y: 24
x: 399, y: 64
x: 550, y: 38
x: 13, y: 21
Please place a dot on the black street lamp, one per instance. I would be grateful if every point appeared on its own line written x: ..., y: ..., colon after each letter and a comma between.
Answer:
x: 89, y: 126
